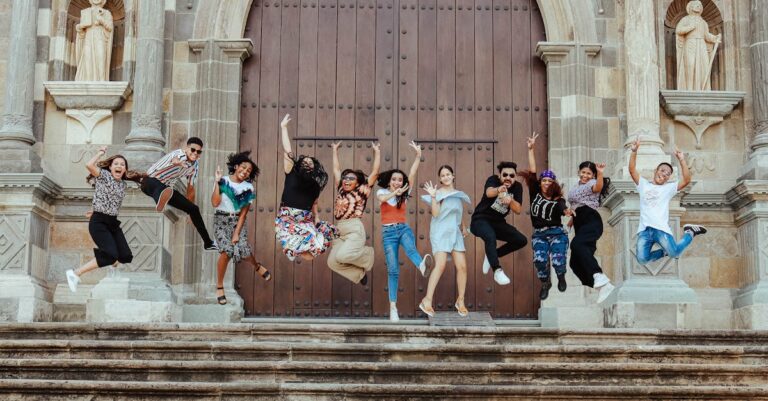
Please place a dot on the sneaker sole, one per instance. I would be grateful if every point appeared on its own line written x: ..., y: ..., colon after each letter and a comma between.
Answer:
x: 165, y: 196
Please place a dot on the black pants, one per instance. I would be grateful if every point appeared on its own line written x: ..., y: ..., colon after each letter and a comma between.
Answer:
x: 110, y: 240
x: 491, y: 230
x: 154, y: 187
x: 589, y: 227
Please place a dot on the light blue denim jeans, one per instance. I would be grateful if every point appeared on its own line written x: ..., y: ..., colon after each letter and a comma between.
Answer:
x: 669, y: 247
x: 393, y: 236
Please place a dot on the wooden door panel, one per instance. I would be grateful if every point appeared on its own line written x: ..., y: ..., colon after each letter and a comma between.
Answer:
x: 458, y: 75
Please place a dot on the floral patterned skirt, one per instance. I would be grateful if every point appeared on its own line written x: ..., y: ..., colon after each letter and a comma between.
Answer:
x: 223, y: 229
x: 297, y: 233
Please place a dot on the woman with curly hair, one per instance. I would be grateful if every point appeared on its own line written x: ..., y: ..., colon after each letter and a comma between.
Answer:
x: 232, y: 197
x: 395, y: 190
x: 298, y: 227
x: 108, y: 179
x: 549, y: 239
x: 349, y: 255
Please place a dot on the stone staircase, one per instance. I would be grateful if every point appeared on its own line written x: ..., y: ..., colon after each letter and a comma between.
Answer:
x: 299, y: 361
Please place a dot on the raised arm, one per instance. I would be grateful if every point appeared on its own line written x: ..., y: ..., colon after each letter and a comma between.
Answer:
x: 91, y: 165
x: 633, y: 161
x: 286, y: 141
x: 598, y: 187
x: 531, y: 155
x: 684, y: 168
x: 336, y: 164
x: 415, y: 166
x: 376, y: 164
x: 216, y: 195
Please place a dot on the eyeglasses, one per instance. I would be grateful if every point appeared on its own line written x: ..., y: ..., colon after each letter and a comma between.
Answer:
x: 198, y: 151
x: 349, y: 178
x: 505, y: 175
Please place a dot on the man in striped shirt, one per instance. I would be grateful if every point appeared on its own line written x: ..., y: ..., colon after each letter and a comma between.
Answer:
x: 161, y: 177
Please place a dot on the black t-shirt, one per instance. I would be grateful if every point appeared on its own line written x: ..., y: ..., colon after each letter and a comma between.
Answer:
x: 484, y: 207
x: 299, y: 192
x: 545, y: 212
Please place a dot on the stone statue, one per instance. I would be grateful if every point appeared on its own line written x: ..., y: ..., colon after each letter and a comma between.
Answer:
x: 696, y: 49
x: 93, y: 46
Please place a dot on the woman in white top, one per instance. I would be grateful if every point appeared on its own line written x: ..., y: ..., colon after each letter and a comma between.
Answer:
x: 232, y: 197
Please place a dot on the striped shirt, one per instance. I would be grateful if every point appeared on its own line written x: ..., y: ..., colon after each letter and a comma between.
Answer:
x: 167, y: 173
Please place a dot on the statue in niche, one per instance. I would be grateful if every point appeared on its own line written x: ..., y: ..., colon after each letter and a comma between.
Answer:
x: 93, y: 46
x: 696, y: 49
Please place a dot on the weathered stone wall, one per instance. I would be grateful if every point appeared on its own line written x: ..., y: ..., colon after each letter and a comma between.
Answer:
x: 5, y: 29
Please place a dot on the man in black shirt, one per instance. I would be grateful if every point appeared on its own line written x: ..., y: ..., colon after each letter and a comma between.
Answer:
x: 502, y: 194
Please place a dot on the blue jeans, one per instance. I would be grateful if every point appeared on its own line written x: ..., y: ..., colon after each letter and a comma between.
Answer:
x: 669, y: 247
x: 551, y: 242
x: 393, y: 236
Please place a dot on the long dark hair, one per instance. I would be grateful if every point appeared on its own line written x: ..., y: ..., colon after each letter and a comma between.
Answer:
x: 235, y: 159
x: 386, y: 177
x: 362, y: 179
x: 606, y: 181
x: 554, y: 192
x: 105, y: 164
x: 317, y: 174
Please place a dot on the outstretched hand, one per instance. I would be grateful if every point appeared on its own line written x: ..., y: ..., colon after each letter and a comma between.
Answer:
x: 416, y: 148
x: 285, y: 121
x: 218, y: 175
x: 679, y: 154
x: 431, y: 189
x: 532, y: 140
x: 600, y: 167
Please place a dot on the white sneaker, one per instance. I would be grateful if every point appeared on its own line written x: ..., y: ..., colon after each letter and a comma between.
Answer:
x: 600, y: 280
x: 393, y: 316
x: 486, y: 265
x: 425, y: 267
x: 500, y: 277
x: 73, y: 280
x: 605, y: 291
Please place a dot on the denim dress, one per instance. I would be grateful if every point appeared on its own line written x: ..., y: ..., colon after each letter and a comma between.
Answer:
x: 445, y: 229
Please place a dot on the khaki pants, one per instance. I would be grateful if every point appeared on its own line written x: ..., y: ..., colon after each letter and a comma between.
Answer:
x: 349, y: 256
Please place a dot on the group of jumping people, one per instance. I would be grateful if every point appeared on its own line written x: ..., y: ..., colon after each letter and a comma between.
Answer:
x: 302, y: 234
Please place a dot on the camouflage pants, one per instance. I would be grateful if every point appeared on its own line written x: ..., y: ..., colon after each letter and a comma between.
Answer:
x: 550, y: 243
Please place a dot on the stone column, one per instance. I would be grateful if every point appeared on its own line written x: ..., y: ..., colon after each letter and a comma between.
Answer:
x: 16, y: 137
x: 757, y: 168
x: 145, y: 142
x: 642, y: 76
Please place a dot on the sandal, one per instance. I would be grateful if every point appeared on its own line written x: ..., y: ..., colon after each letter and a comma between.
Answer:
x: 263, y: 272
x: 222, y: 300
x: 428, y: 311
x: 463, y: 312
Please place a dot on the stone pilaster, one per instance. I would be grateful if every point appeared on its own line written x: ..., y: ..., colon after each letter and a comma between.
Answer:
x: 652, y: 295
x: 25, y: 218
x: 757, y: 167
x: 642, y: 78
x: 16, y: 136
x: 750, y: 307
x: 145, y: 142
x: 216, y: 120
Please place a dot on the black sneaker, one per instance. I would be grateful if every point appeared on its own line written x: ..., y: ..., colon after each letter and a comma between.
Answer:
x: 694, y: 229
x: 212, y: 246
x: 545, y: 286
x: 364, y: 280
x: 561, y: 284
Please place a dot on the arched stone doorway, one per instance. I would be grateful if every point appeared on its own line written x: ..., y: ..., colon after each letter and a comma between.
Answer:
x: 459, y: 76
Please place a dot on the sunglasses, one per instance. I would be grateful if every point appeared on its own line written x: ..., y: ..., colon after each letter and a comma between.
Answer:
x: 505, y: 175
x: 198, y: 151
x: 349, y: 178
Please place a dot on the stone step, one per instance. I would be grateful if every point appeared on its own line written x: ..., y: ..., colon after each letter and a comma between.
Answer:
x: 76, y: 390
x: 324, y: 333
x: 465, y: 373
x: 386, y: 352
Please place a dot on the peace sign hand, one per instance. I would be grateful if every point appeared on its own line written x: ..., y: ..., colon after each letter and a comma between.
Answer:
x: 401, y: 190
x: 532, y: 140
x: 285, y: 121
x: 218, y: 175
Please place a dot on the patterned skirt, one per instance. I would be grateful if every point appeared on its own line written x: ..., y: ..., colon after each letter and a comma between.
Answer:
x: 223, y: 228
x: 297, y: 233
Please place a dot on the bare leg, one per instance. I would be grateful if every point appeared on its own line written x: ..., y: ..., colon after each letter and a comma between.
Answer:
x: 91, y: 265
x: 306, y: 256
x: 221, y: 268
x: 440, y: 260
x: 460, y: 260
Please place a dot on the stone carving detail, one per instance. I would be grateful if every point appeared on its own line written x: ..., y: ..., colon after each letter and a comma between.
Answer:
x: 700, y: 163
x: 144, y: 235
x: 696, y: 49
x: 13, y: 241
x: 13, y: 122
x: 88, y: 119
x: 93, y: 45
x: 642, y: 77
x: 147, y: 121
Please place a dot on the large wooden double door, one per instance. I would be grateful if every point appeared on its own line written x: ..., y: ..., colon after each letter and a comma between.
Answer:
x: 460, y: 77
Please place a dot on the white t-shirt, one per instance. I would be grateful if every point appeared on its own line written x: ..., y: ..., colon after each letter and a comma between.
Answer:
x: 234, y: 195
x: 654, y: 204
x: 385, y: 191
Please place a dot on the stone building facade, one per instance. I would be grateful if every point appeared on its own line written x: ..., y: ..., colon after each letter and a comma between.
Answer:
x: 608, y: 69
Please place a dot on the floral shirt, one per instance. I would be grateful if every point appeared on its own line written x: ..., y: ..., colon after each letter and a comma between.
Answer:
x: 109, y: 193
x: 582, y: 195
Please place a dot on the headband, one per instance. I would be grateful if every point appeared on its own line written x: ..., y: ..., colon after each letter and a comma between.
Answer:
x: 548, y: 174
